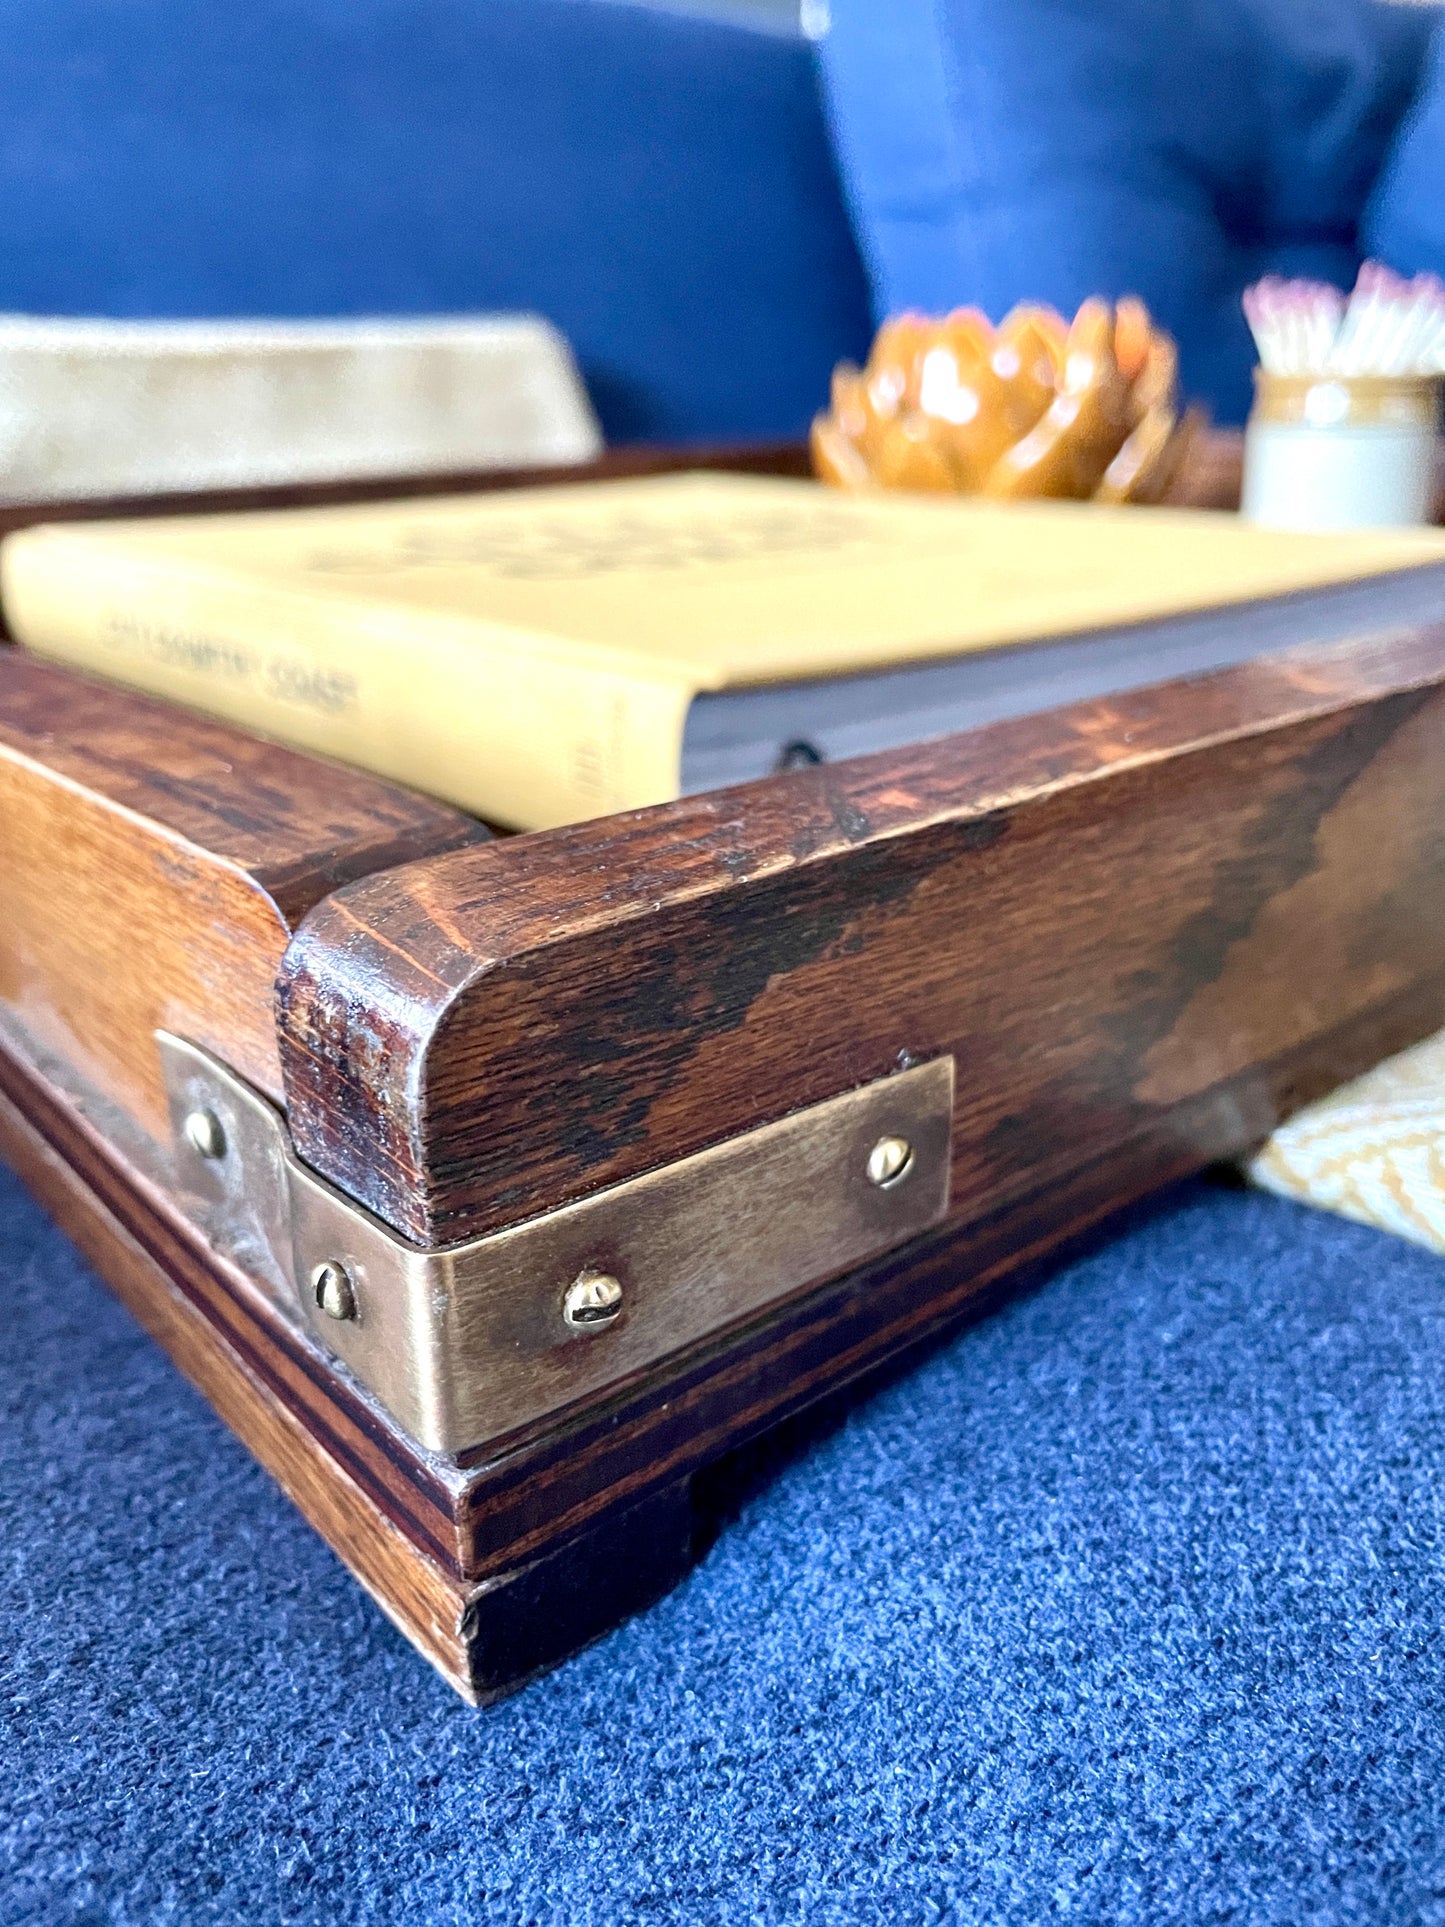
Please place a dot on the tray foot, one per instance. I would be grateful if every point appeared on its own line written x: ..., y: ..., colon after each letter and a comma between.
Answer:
x: 527, y: 1621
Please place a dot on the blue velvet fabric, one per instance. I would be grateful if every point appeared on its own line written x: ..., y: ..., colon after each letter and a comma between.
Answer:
x: 1405, y: 223
x: 1175, y: 149
x: 661, y: 187
x: 1124, y: 1607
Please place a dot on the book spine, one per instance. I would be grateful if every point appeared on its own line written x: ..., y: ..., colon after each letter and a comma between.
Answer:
x: 523, y: 730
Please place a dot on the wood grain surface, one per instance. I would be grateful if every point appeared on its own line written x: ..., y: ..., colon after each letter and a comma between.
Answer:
x: 498, y: 1568
x: 1101, y: 912
x: 398, y: 1519
x: 153, y: 866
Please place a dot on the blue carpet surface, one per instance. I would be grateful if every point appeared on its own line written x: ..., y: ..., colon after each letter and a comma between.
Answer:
x: 1123, y: 1607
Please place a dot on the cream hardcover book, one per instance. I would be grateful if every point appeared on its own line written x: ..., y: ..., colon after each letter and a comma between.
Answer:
x: 544, y: 655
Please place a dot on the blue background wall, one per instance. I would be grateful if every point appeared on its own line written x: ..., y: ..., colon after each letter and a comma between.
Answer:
x: 660, y: 187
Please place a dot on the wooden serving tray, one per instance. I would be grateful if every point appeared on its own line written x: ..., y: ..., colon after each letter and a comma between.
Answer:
x: 1060, y: 962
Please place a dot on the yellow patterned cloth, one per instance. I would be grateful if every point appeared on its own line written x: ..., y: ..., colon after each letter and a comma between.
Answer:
x: 1373, y: 1150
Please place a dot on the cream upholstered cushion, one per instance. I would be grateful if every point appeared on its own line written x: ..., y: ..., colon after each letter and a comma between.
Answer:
x: 1374, y: 1150
x: 98, y: 407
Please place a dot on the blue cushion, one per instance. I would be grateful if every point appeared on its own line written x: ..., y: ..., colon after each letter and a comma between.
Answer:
x: 1175, y: 149
x: 1405, y: 223
x: 1125, y: 1606
x: 661, y: 187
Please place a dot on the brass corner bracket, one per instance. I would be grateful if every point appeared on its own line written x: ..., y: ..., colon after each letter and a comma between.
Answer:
x: 466, y: 1344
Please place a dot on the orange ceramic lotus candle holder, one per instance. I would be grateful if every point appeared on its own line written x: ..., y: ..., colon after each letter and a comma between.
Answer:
x: 1088, y: 409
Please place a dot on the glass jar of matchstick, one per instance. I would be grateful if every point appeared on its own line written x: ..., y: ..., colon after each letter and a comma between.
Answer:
x: 1343, y: 433
x: 1341, y: 451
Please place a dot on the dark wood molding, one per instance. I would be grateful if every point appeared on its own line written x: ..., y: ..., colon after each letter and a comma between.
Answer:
x: 1100, y: 912
x: 299, y: 825
x: 153, y: 865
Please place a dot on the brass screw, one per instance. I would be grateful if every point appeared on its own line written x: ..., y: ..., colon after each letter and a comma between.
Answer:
x: 889, y: 1162
x: 335, y: 1294
x: 593, y: 1301
x: 204, y: 1133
